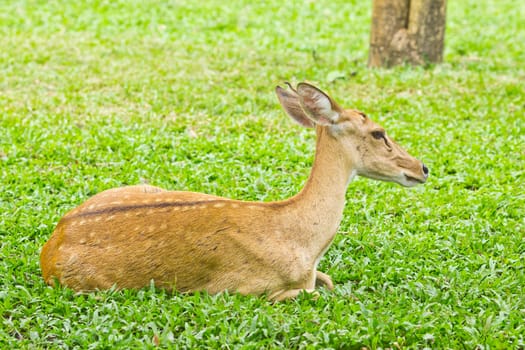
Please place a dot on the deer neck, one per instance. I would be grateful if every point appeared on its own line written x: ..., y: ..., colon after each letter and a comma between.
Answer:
x: 319, y: 206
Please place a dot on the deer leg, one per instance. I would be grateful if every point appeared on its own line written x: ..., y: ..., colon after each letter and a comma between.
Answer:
x: 291, y: 294
x: 323, y: 280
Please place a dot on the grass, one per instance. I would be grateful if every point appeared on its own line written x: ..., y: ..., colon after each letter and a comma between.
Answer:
x: 179, y: 94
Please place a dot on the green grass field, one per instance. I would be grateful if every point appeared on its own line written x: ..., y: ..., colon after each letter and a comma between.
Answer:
x: 179, y: 94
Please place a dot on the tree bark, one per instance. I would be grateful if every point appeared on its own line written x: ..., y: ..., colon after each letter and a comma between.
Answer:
x: 407, y: 31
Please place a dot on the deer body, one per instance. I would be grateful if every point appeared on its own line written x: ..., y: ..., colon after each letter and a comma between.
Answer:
x: 130, y: 236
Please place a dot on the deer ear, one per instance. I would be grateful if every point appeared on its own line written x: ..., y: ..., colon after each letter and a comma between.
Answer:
x: 291, y: 104
x: 318, y: 105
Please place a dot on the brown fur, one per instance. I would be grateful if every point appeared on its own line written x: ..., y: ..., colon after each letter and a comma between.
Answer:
x: 130, y: 236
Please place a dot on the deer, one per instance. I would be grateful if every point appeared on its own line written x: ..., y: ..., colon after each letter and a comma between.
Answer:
x: 133, y: 236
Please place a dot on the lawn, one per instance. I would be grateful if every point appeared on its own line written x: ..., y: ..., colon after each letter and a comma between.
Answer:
x: 180, y: 94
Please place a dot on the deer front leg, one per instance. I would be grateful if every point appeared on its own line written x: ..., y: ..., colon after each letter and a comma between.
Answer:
x: 291, y: 294
x: 323, y: 280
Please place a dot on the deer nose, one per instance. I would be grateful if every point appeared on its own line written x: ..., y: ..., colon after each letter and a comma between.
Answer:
x: 425, y: 170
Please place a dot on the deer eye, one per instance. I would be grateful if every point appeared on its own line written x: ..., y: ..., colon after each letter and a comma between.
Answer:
x: 378, y: 134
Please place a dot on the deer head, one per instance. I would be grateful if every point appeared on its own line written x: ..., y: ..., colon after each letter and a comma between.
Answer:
x: 367, y: 147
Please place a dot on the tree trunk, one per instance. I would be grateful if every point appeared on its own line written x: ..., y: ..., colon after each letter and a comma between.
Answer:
x: 407, y: 31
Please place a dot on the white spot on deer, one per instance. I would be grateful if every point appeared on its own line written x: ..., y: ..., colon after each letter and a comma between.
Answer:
x: 219, y: 205
x: 72, y: 259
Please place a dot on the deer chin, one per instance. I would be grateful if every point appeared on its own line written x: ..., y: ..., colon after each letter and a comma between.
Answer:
x: 410, y: 181
x: 397, y: 178
x: 402, y: 179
